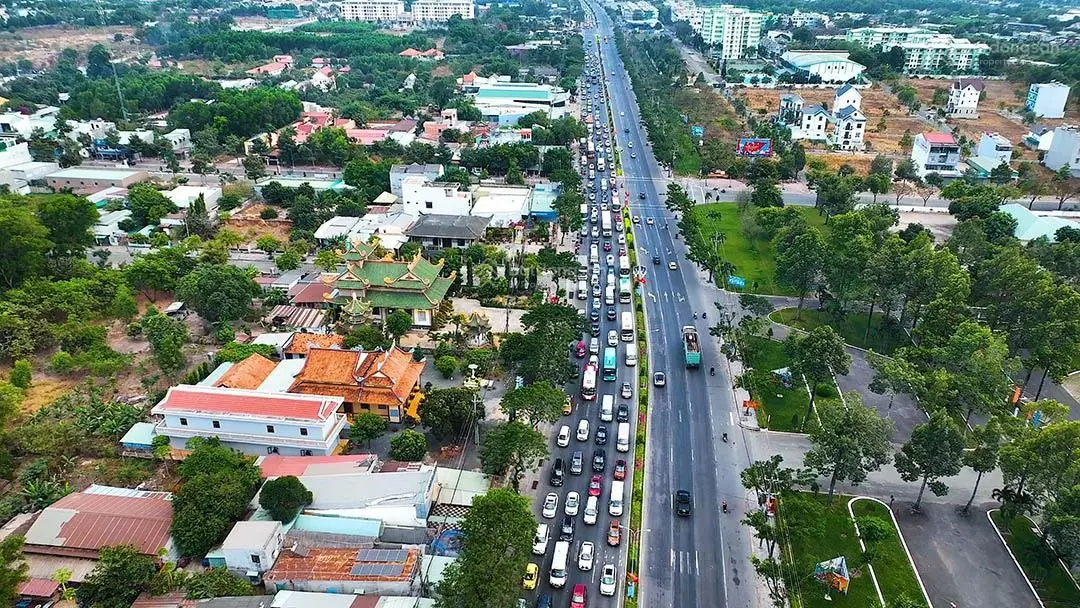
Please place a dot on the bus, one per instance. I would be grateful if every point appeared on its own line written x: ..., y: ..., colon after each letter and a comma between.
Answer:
x: 624, y: 290
x: 624, y: 266
x: 610, y: 364
x: 605, y: 225
x: 626, y: 326
x: 588, y: 382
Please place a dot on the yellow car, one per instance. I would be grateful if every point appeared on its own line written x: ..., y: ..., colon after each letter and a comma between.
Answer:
x: 532, y: 575
x: 568, y: 407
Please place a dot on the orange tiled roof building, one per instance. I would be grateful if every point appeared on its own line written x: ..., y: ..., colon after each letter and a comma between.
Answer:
x: 387, y: 383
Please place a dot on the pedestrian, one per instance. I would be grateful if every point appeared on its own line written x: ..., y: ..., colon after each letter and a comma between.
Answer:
x: 891, y: 499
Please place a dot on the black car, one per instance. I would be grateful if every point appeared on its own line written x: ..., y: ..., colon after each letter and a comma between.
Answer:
x: 623, y: 413
x: 595, y: 330
x: 626, y: 129
x: 594, y: 314
x: 641, y: 195
x: 611, y: 314
x: 567, y: 531
x: 544, y: 601
x: 656, y: 260
x: 557, y: 473
x: 600, y: 435
x: 683, y: 504
x: 598, y: 461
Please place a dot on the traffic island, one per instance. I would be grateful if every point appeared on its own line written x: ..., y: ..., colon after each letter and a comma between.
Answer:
x: 1047, y: 577
x: 782, y: 397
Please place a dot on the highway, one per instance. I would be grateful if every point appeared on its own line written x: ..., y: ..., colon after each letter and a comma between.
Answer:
x: 702, y: 560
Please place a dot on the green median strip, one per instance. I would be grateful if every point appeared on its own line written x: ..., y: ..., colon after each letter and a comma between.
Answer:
x: 1053, y: 584
x: 633, y: 563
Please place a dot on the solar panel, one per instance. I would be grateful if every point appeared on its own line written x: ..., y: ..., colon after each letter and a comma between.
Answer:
x: 382, y: 555
x: 373, y: 569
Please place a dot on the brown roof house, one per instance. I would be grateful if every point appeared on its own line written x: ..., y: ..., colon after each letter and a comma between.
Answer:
x: 71, y: 532
x: 345, y: 568
x: 384, y: 382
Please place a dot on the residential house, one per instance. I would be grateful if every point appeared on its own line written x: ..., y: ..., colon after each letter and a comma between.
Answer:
x: 380, y: 382
x: 1030, y: 226
x: 936, y: 152
x: 343, y: 567
x: 432, y: 54
x: 252, y: 548
x: 83, y: 179
x: 71, y: 532
x: 850, y: 127
x: 248, y: 374
x: 1065, y: 150
x: 251, y: 421
x: 505, y: 205
x: 324, y: 79
x: 437, y: 231
x: 274, y: 68
x: 1039, y: 138
x: 964, y: 97
x: 814, y: 123
x: 1047, y: 100
x: 21, y: 124
x: 790, y: 112
x: 845, y: 96
x: 994, y: 147
x: 420, y: 196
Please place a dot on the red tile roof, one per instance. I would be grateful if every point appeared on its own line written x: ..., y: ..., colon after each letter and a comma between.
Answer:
x: 276, y: 465
x: 378, y: 378
x: 301, y: 343
x: 88, y: 521
x: 410, y: 52
x: 225, y: 401
x: 249, y: 373
x: 310, y: 293
x: 937, y: 137
x: 38, y: 587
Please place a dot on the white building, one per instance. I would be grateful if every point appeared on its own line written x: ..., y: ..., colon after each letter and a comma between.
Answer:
x: 505, y: 102
x: 813, y: 123
x: 845, y: 96
x: 790, y: 112
x: 418, y: 196
x: 942, y: 53
x: 936, y: 152
x: 964, y: 98
x: 441, y: 10
x: 737, y: 31
x: 1047, y: 100
x: 887, y: 37
x: 252, y: 422
x: 505, y: 205
x: 22, y: 124
x: 398, y: 173
x: 18, y: 168
x: 829, y: 66
x: 639, y: 12
x: 800, y: 19
x: 1039, y: 138
x: 252, y: 547
x: 183, y: 195
x: 849, y: 129
x: 372, y: 10
x: 107, y: 227
x: 996, y: 147
x: 1065, y: 150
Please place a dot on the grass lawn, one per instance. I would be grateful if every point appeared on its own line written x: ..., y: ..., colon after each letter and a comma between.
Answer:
x: 754, y: 261
x: 1056, y: 588
x: 782, y: 407
x: 821, y: 531
x: 891, y: 565
x: 852, y: 328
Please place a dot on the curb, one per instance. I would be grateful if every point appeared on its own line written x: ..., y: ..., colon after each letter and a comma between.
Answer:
x: 903, y: 543
x: 1001, y: 537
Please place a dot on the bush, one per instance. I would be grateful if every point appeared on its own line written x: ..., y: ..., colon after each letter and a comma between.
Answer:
x: 446, y: 366
x: 284, y: 497
x: 408, y: 446
x: 21, y: 374
x: 225, y: 334
x: 62, y: 363
x: 268, y: 213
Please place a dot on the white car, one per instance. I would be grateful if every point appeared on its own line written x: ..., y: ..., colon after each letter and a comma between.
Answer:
x: 629, y: 144
x: 551, y: 505
x: 573, y: 504
x: 564, y: 436
x: 610, y: 259
x: 633, y: 155
x: 612, y: 338
x: 586, y: 555
x: 608, y: 580
x: 649, y: 221
x: 622, y: 239
x: 595, y: 232
x: 671, y: 265
x: 583, y: 430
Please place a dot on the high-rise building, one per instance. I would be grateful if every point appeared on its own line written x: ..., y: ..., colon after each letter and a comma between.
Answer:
x: 372, y: 10
x: 925, y: 51
x: 737, y: 31
x: 441, y: 10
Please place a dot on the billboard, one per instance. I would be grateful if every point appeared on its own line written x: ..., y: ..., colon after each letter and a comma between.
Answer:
x: 754, y: 147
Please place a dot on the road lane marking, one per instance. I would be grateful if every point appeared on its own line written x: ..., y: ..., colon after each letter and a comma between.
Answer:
x: 731, y: 418
x: 697, y: 571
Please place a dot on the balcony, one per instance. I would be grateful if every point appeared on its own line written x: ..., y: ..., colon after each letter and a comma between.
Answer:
x: 268, y: 439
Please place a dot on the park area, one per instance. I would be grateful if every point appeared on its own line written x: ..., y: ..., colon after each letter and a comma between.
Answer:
x: 882, y: 337
x: 818, y: 530
x: 783, y: 400
x: 754, y: 260
x: 1056, y: 588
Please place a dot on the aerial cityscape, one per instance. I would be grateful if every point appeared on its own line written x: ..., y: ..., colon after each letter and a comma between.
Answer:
x: 539, y: 304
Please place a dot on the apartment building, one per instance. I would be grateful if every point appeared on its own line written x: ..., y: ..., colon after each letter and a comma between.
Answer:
x: 372, y: 10
x: 1064, y: 150
x: 737, y: 31
x: 886, y: 37
x: 1047, y: 100
x: 441, y: 10
x: 964, y: 98
x: 942, y: 53
x: 936, y: 152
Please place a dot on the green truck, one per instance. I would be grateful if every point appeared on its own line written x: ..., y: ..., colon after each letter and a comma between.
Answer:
x: 691, y: 346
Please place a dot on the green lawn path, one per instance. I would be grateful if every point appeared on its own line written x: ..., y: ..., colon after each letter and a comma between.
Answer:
x: 852, y: 328
x: 780, y: 406
x: 1054, y: 585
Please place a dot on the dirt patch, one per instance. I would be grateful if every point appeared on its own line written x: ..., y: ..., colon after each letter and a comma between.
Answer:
x: 44, y: 390
x: 250, y: 226
x: 833, y: 161
x: 42, y: 45
x: 442, y: 71
x: 940, y: 225
x: 704, y: 106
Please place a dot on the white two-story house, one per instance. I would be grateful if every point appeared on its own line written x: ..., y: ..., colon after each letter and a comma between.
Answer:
x: 814, y: 123
x: 845, y: 96
x: 936, y: 152
x: 250, y: 421
x: 964, y: 98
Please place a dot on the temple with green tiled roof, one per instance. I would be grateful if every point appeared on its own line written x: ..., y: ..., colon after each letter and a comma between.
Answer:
x: 385, y: 284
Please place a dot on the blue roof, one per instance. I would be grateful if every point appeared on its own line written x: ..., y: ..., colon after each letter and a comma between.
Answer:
x: 140, y: 435
x: 1030, y: 226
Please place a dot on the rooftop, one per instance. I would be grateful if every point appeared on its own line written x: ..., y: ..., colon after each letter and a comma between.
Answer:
x: 963, y: 83
x: 449, y: 226
x: 296, y: 317
x: 803, y: 59
x: 326, y: 564
x: 302, y: 342
x: 102, y: 515
x: 216, y: 401
x: 247, y: 374
x: 276, y: 465
x: 384, y: 378
x: 1030, y: 226
x: 939, y: 138
x: 250, y: 534
x: 94, y: 173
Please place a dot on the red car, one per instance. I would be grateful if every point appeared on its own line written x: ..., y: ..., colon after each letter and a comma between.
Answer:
x: 595, y: 485
x: 579, y: 350
x: 577, y: 597
x: 622, y: 250
x: 607, y: 246
x: 620, y: 470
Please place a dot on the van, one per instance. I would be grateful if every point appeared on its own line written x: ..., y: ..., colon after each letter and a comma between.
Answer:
x: 609, y: 295
x: 582, y: 290
x: 594, y: 254
x: 615, y: 502
x: 557, y: 576
x: 557, y: 473
x: 591, y: 507
x: 607, y: 408
x: 622, y: 438
x: 631, y: 355
x: 594, y: 346
x: 540, y: 541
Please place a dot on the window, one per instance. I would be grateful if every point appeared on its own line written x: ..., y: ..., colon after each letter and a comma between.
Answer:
x: 183, y: 422
x: 303, y: 432
x: 428, y: 205
x: 271, y: 450
x: 255, y: 559
x: 269, y: 428
x: 216, y: 424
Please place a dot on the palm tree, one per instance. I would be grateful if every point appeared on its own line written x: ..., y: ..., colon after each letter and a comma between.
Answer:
x: 1013, y: 503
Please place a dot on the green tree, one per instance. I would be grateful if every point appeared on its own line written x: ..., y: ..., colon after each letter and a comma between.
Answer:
x: 68, y: 219
x: 123, y: 306
x: 534, y: 403
x: 254, y: 167
x: 120, y: 575
x: 167, y: 337
x: 148, y: 205
x: 408, y: 446
x: 935, y: 450
x: 21, y: 374
x: 498, y: 532
x: 983, y: 457
x: 446, y: 365
x: 23, y: 243
x: 799, y: 265
x: 328, y: 260
x: 817, y: 355
x: 877, y: 184
x: 366, y: 427
x: 218, y: 292
x: 13, y: 568
x: 216, y: 582
x: 398, y: 323
x: 447, y: 412
x: 512, y: 447
x: 158, y: 271
x: 197, y: 220
x: 238, y: 351
x: 851, y: 441
x: 367, y: 337
x: 290, y: 260
x: 284, y: 497
x: 849, y: 245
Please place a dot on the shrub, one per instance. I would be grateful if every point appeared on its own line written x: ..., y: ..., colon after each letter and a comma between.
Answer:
x: 284, y: 497
x: 408, y: 446
x: 21, y: 374
x: 446, y: 366
x: 268, y: 213
x: 62, y: 362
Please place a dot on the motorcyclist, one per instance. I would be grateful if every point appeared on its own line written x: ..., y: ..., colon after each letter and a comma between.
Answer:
x: 712, y: 371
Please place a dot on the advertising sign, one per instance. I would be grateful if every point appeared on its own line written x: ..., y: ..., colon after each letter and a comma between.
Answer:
x: 754, y: 147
